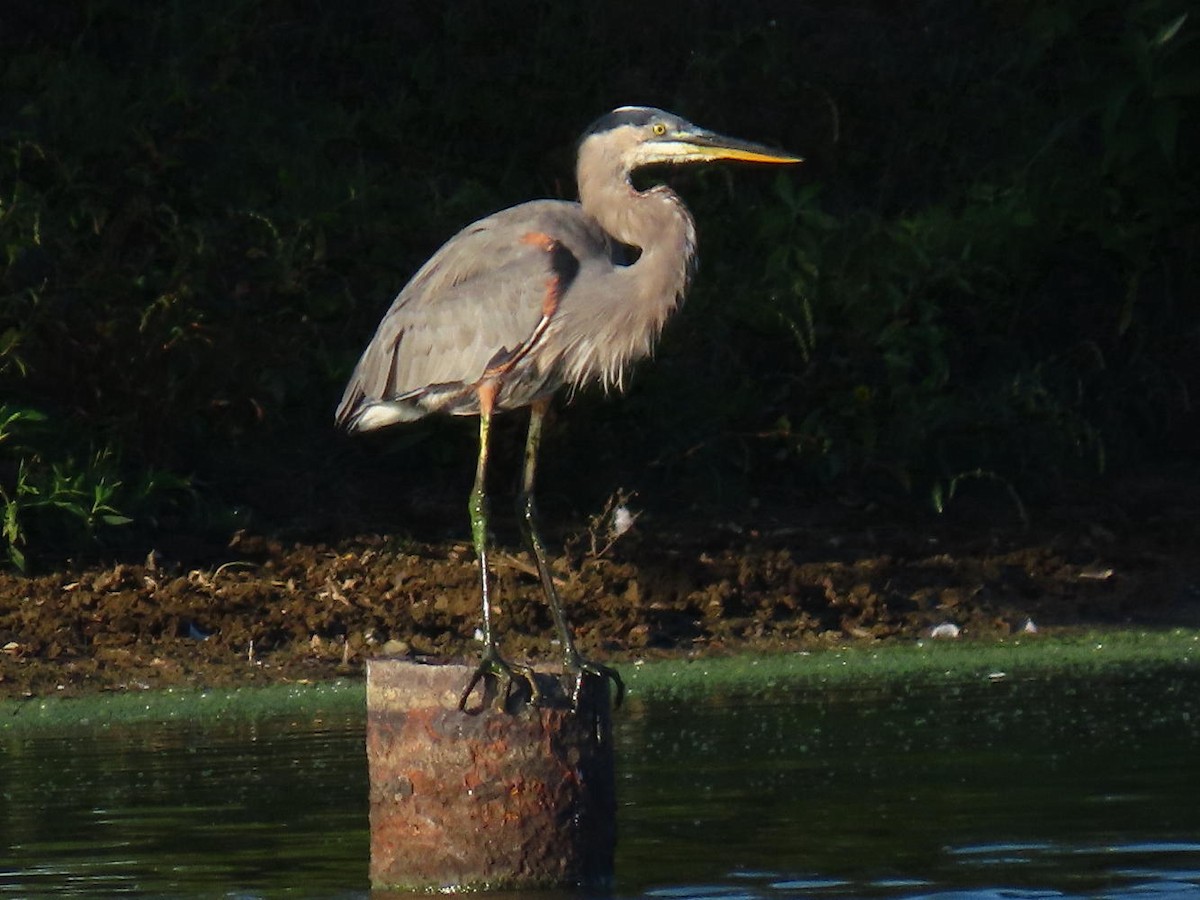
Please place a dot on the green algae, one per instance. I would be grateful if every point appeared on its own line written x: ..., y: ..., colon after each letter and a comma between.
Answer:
x: 1024, y: 656
x: 183, y: 705
x: 1027, y: 656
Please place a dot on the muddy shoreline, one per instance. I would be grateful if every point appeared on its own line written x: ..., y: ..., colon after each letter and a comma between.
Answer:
x: 271, y: 611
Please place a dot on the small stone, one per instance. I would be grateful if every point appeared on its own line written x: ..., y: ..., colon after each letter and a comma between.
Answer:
x: 395, y: 648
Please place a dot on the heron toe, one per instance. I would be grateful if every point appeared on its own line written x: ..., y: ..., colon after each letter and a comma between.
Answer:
x: 579, y: 667
x: 499, y: 678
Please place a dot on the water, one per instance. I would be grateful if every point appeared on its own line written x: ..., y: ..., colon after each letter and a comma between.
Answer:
x: 1057, y: 787
x: 242, y: 810
x: 1061, y: 787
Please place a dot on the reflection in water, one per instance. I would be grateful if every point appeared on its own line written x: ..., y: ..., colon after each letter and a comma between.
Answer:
x: 250, y: 808
x: 1063, y: 786
x: 1058, y: 784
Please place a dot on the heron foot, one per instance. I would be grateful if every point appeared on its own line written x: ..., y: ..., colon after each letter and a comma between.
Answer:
x: 501, y: 682
x: 577, y: 666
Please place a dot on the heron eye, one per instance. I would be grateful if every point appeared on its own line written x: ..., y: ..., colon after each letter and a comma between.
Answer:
x: 659, y: 129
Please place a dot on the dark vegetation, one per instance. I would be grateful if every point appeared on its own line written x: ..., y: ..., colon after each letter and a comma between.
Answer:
x: 985, y: 275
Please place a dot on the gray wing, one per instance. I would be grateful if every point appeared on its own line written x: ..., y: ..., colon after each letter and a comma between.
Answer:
x: 478, y: 303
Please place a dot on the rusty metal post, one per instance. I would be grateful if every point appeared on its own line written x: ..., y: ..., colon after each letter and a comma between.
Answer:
x: 487, y: 799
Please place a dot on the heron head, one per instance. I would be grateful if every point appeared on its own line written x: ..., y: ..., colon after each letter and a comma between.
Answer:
x: 645, y: 136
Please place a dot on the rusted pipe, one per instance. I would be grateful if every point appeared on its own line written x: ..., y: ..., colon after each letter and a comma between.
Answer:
x: 487, y: 799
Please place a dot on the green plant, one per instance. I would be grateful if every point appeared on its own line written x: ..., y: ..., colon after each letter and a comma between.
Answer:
x: 62, y: 497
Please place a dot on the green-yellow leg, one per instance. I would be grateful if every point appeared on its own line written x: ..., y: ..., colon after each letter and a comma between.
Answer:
x: 573, y: 662
x: 491, y: 665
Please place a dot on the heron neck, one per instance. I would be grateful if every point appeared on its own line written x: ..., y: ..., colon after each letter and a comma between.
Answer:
x: 656, y: 222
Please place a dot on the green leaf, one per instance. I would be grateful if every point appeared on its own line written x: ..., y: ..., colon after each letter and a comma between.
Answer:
x: 1169, y: 31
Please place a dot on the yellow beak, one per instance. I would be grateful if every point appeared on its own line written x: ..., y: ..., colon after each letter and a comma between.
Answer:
x: 702, y: 144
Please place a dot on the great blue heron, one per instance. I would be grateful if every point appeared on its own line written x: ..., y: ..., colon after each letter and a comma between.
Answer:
x: 545, y: 294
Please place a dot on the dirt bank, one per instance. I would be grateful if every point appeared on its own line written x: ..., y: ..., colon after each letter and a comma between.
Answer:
x: 271, y: 611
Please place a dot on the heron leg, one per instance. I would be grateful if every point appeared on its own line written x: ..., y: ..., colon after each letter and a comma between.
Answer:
x: 492, y: 666
x: 573, y: 661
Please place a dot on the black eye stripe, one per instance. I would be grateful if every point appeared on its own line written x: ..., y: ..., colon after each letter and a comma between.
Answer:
x: 637, y: 116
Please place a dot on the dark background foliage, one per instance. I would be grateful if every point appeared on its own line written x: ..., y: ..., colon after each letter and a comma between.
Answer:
x: 985, y: 274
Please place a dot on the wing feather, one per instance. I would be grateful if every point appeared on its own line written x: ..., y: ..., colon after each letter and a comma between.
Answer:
x: 478, y: 298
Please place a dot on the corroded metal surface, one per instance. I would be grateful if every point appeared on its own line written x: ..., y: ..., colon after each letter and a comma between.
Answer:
x: 486, y: 798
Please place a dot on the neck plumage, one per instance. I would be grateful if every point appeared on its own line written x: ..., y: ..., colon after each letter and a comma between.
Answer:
x: 655, y: 222
x: 633, y: 302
